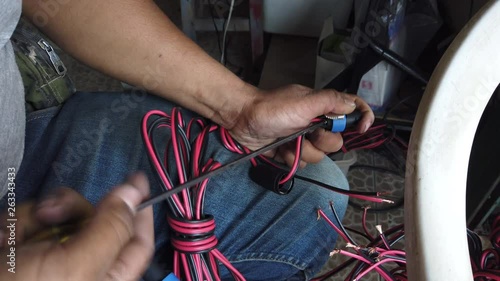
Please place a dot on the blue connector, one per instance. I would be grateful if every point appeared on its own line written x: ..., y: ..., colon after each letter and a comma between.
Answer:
x: 171, y: 277
x: 339, y: 123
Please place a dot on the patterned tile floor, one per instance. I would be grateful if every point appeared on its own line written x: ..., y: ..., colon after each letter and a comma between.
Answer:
x: 368, y: 180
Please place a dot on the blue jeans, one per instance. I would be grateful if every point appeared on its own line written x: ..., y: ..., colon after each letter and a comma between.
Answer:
x: 93, y: 142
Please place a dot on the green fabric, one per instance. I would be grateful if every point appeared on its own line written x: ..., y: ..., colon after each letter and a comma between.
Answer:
x: 44, y: 86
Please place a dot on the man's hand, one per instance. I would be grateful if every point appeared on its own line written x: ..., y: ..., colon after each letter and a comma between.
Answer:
x: 116, y: 243
x: 284, y: 111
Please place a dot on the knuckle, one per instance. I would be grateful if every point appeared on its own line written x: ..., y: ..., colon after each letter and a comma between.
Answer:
x: 299, y: 90
x: 119, y: 272
x: 336, y: 95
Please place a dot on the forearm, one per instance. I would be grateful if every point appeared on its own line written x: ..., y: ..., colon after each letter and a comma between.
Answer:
x: 132, y: 40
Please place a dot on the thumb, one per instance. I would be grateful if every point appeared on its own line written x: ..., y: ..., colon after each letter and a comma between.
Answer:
x: 110, y: 230
x: 333, y: 102
x: 322, y: 102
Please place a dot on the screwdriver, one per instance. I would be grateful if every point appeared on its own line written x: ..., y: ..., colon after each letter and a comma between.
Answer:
x: 333, y: 124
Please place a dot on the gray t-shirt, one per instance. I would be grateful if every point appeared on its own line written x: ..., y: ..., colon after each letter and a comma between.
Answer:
x: 12, y: 111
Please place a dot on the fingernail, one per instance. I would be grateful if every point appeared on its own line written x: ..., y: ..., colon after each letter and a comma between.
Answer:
x: 350, y: 102
x: 47, y: 203
x: 48, y: 200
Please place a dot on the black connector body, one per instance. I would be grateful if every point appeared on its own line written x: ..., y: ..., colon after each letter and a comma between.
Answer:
x: 269, y: 177
x: 353, y: 118
x: 339, y: 123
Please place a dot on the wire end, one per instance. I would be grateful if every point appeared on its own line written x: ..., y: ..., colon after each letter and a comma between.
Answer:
x: 350, y: 245
x: 334, y: 252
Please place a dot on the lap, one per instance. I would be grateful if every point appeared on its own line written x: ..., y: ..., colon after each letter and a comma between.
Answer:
x: 93, y: 142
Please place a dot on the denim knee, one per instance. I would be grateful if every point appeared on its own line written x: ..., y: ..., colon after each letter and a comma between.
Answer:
x: 275, y: 237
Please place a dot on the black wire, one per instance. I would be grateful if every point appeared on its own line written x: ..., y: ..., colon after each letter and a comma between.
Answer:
x: 206, y: 261
x: 227, y: 35
x: 398, y: 258
x: 476, y: 250
x: 172, y: 169
x: 412, y: 107
x: 374, y: 243
x: 391, y: 231
x: 476, y: 241
x: 151, y: 130
x: 338, y: 269
x: 226, y: 60
x: 185, y: 175
x: 393, y: 158
x: 151, y: 133
x: 183, y: 135
x: 211, y: 272
x: 200, y: 127
x: 341, y: 225
x: 398, y: 104
x: 184, y: 161
x: 190, y: 265
x: 202, y: 152
x: 362, y: 265
x: 393, y: 132
x: 181, y: 155
x: 335, y: 189
x: 202, y: 210
x: 398, y: 203
x: 358, y: 232
x: 203, y: 198
x: 375, y: 168
x: 357, y: 270
x: 211, y: 7
x: 393, y: 242
x: 218, y: 37
x: 179, y: 127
